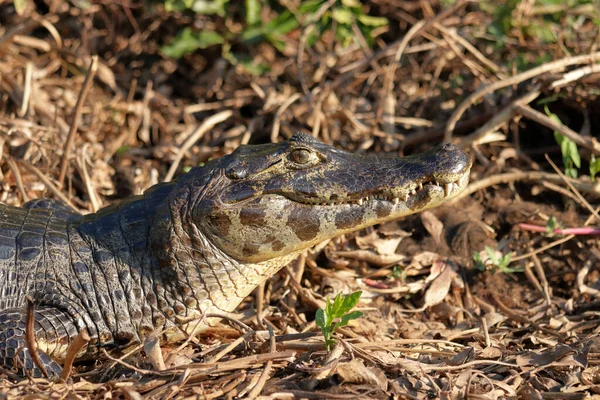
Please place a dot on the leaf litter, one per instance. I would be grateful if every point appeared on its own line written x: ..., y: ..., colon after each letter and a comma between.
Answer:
x: 479, y: 75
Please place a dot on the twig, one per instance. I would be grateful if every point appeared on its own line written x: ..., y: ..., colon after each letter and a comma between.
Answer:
x: 81, y: 340
x: 492, y: 87
x: 87, y: 83
x: 127, y: 365
x: 542, y: 249
x: 18, y: 180
x: 26, y: 90
x: 266, y: 371
x: 230, y: 347
x: 467, y: 365
x: 526, y: 176
x: 85, y: 176
x: 208, y: 124
x: 589, y: 143
x: 30, y: 337
x: 135, y: 126
x: 506, y: 310
x: 542, y: 277
x: 560, y: 231
x: 583, y: 201
x: 481, y: 135
x: 48, y: 184
x: 279, y: 112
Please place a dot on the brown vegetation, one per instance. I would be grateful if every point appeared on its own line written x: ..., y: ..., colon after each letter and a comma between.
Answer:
x: 92, y: 110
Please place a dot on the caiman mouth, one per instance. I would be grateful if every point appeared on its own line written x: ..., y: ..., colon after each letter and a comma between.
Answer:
x: 413, y: 190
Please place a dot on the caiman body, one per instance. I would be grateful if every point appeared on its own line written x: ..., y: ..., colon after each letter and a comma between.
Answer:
x: 195, y: 246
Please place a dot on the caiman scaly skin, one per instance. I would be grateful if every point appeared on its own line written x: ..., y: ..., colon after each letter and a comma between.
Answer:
x: 198, y: 245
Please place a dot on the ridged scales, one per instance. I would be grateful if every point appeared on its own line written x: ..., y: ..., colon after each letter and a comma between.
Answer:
x: 196, y: 246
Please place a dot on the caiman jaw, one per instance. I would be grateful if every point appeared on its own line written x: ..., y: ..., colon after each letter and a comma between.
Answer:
x: 450, y: 189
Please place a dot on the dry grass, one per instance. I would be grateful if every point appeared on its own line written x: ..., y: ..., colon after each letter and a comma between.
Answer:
x: 91, y: 111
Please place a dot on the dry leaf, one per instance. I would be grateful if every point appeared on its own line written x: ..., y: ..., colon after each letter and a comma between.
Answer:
x: 355, y: 371
x: 371, y: 257
x: 466, y: 355
x: 154, y: 352
x: 434, y: 226
x: 490, y: 353
x: 439, y: 288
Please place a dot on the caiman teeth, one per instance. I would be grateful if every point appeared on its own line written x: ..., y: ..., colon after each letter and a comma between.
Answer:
x: 448, y: 189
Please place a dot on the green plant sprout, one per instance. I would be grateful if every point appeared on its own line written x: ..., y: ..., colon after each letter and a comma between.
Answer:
x: 344, y: 18
x: 498, y: 262
x: 338, y: 310
x: 568, y: 148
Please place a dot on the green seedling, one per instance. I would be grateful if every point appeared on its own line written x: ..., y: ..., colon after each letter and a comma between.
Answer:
x: 568, y: 148
x: 497, y: 261
x: 552, y: 225
x: 594, y: 167
x: 337, y: 314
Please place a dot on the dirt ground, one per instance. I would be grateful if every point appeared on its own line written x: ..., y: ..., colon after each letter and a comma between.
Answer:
x: 493, y: 296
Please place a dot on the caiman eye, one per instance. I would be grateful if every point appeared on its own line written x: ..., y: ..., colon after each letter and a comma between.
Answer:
x: 303, y: 157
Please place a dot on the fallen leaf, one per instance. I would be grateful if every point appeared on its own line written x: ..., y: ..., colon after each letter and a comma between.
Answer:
x: 440, y: 287
x: 355, y: 371
x: 154, y: 352
x: 490, y: 353
x: 371, y: 257
x: 434, y: 226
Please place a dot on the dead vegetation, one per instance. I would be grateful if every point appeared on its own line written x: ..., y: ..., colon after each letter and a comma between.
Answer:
x: 92, y: 110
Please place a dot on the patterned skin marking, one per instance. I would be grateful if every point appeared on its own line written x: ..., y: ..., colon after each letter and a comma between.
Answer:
x: 306, y: 225
x: 310, y: 192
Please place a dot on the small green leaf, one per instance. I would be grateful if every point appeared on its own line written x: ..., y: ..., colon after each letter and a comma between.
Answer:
x: 347, y: 318
x: 369, y: 20
x: 253, y: 12
x: 551, y: 225
x: 568, y: 148
x: 347, y: 303
x: 491, y: 254
x: 320, y: 319
x: 123, y: 149
x: 479, y: 264
x: 571, y: 172
x: 20, y: 6
x: 594, y: 167
x: 188, y: 41
x: 504, y: 261
x: 352, y: 3
x: 208, y: 7
x: 310, y: 6
x: 178, y: 5
x: 342, y: 15
x: 282, y: 24
x: 574, y: 153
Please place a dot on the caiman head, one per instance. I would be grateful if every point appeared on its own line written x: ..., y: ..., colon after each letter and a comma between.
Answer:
x: 273, y: 200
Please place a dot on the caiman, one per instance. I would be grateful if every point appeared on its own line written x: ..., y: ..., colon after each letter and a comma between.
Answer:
x: 196, y: 246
